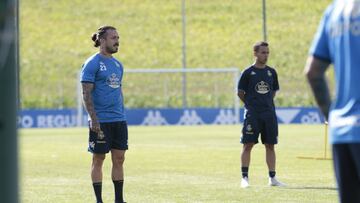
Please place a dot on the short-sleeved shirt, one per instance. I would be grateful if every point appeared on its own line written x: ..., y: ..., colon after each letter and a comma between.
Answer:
x: 259, y: 85
x: 338, y: 41
x: 106, y: 74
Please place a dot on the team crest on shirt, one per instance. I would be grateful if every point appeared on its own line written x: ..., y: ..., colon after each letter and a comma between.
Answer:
x: 262, y: 87
x: 102, y: 66
x: 269, y: 73
x: 252, y: 73
x: 113, y: 81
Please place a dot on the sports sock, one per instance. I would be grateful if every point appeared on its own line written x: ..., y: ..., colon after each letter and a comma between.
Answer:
x: 244, y: 171
x: 97, y: 189
x: 118, y: 186
x: 272, y: 174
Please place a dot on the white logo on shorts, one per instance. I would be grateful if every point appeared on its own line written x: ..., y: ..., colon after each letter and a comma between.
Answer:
x: 92, y: 145
x: 249, y: 129
x: 100, y: 135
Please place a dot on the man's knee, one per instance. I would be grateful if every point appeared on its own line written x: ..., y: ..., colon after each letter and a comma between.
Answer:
x: 118, y: 159
x: 98, y: 159
x: 270, y: 147
x: 248, y: 146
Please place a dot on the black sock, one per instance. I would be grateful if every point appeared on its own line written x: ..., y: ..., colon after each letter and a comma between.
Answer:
x: 118, y: 186
x: 244, y: 171
x: 97, y: 190
x: 272, y: 174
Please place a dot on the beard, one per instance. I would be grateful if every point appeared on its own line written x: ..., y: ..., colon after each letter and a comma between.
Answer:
x: 112, y: 49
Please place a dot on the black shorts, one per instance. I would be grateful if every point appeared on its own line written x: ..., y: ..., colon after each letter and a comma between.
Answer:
x: 347, y: 171
x: 260, y: 123
x: 115, y: 137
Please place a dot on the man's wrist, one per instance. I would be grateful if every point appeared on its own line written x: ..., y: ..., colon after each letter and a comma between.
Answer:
x: 94, y: 120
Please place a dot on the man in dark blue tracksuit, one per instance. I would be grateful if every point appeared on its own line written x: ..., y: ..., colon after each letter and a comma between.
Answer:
x: 256, y: 89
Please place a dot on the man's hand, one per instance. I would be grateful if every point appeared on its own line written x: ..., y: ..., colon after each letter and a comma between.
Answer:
x: 95, y: 126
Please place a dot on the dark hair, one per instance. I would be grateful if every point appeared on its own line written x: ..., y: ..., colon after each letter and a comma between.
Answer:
x: 257, y: 45
x: 101, y: 34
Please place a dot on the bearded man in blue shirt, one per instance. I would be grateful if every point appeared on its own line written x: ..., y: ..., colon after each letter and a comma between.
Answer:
x: 101, y: 78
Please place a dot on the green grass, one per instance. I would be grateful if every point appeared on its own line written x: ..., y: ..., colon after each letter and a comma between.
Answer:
x: 176, y: 164
x: 55, y: 41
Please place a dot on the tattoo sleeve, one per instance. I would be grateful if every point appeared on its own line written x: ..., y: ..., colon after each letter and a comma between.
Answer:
x: 315, y: 73
x: 87, y: 88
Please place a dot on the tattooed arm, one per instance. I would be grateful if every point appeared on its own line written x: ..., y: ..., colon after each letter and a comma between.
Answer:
x: 87, y: 88
x: 315, y: 72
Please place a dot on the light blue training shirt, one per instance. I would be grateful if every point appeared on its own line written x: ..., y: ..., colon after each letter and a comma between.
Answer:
x: 338, y: 42
x: 106, y: 74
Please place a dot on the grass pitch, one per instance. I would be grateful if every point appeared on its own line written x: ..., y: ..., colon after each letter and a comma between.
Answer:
x: 176, y: 164
x: 55, y: 42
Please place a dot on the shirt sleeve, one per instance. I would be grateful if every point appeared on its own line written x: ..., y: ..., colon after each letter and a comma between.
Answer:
x: 88, y: 71
x: 243, y: 81
x: 320, y: 44
x: 276, y: 86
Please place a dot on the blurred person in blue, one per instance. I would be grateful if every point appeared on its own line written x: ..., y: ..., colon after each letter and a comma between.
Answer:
x: 101, y: 78
x: 256, y: 89
x: 337, y: 42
